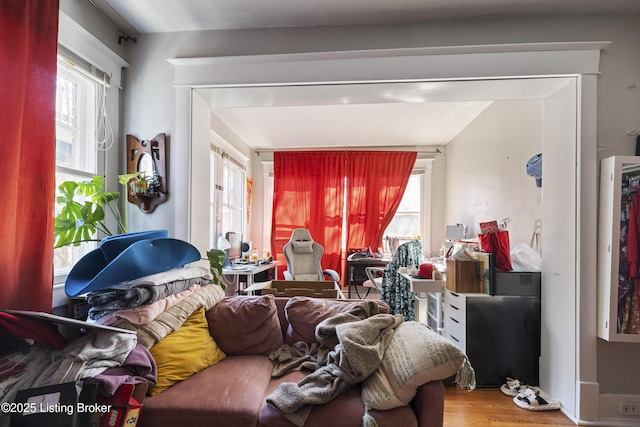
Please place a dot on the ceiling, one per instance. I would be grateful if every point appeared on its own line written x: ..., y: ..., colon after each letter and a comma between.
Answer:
x: 151, y: 16
x: 367, y: 115
x: 363, y: 115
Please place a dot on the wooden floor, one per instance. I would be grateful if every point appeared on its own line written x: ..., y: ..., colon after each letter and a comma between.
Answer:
x: 488, y: 407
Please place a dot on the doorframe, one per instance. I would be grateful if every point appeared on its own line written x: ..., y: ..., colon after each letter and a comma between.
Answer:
x: 455, y: 63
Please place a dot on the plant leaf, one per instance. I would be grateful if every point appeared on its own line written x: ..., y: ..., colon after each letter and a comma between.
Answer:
x: 216, y: 260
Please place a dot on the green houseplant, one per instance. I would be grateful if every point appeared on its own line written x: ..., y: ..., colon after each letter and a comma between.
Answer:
x: 216, y: 260
x: 83, y: 207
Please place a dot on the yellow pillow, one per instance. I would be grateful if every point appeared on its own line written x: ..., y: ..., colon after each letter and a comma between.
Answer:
x: 184, y: 352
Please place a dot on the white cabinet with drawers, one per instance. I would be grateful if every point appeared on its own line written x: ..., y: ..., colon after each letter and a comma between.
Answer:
x: 455, y: 318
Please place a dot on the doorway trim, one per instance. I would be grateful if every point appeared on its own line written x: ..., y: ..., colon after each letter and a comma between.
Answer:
x: 504, y: 61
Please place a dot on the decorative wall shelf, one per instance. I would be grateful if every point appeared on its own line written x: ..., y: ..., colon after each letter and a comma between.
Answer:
x: 148, y: 158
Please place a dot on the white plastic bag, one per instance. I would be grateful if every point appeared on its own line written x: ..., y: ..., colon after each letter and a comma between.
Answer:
x: 525, y: 258
x: 462, y: 252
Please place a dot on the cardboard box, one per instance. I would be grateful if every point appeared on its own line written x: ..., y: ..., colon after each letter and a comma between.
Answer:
x: 124, y: 406
x: 486, y: 270
x: 464, y: 277
x: 290, y: 288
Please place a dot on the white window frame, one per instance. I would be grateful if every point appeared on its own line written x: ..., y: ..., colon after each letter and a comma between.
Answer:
x: 228, y: 212
x: 74, y: 38
x: 90, y: 160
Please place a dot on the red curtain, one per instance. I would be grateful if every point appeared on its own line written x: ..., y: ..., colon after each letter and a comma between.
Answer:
x: 309, y: 193
x: 28, y: 49
x: 375, y: 185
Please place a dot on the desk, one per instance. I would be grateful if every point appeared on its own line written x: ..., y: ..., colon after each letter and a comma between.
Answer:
x: 249, y: 271
x: 355, y: 271
x: 433, y: 311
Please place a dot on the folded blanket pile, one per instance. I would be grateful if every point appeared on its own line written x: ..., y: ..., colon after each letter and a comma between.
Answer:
x: 145, y: 290
x: 172, y: 319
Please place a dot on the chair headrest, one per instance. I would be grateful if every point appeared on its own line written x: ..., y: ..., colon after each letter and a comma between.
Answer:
x: 300, y: 234
x: 302, y: 246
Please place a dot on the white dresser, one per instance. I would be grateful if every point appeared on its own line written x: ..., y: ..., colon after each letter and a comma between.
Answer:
x: 455, y: 318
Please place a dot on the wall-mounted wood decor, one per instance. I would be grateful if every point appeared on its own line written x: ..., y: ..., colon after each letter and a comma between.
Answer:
x: 147, y: 157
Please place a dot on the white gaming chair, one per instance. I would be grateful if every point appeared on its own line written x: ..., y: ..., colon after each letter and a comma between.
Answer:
x: 303, y: 258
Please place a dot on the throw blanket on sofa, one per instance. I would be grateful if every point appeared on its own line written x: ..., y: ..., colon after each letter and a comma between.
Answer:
x: 357, y: 344
x: 173, y: 318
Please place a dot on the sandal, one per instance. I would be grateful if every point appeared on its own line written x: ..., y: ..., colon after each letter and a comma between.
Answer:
x: 512, y: 387
x: 531, y: 399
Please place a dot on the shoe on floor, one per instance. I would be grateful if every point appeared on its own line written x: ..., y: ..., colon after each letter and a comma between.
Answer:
x: 532, y: 400
x: 512, y: 387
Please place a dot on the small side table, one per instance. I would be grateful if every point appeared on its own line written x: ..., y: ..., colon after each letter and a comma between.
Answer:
x: 429, y: 310
x: 248, y: 272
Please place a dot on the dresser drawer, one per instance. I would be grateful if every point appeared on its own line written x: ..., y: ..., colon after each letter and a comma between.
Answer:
x: 454, y: 298
x: 458, y: 342
x: 453, y: 326
x: 455, y: 307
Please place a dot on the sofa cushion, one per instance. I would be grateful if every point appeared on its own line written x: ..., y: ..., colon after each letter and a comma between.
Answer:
x: 304, y: 314
x: 228, y: 393
x: 346, y: 409
x: 415, y: 356
x: 182, y: 353
x: 244, y: 325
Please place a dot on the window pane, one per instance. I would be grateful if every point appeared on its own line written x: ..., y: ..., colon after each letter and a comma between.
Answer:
x: 404, y: 225
x: 75, y: 121
x: 411, y: 200
x: 76, y: 150
x: 65, y: 257
x: 407, y: 221
x: 66, y: 118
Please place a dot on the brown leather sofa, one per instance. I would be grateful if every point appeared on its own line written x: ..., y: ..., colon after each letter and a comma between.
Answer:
x: 233, y: 391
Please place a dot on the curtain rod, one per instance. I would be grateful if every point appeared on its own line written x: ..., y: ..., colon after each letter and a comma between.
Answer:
x: 419, y: 151
x: 127, y: 34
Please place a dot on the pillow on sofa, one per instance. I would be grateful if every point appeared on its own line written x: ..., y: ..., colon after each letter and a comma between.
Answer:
x: 184, y: 352
x: 304, y: 314
x: 415, y: 356
x: 246, y: 325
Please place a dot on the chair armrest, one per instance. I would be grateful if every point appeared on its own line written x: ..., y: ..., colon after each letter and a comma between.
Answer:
x: 374, y: 273
x: 332, y: 274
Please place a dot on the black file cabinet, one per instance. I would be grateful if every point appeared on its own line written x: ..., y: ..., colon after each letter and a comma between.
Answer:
x: 499, y: 334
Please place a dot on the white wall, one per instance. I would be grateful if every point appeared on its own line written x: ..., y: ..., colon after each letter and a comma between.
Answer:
x: 485, y: 169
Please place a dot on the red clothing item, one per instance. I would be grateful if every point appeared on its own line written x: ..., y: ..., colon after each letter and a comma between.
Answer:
x: 42, y: 332
x: 633, y: 251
